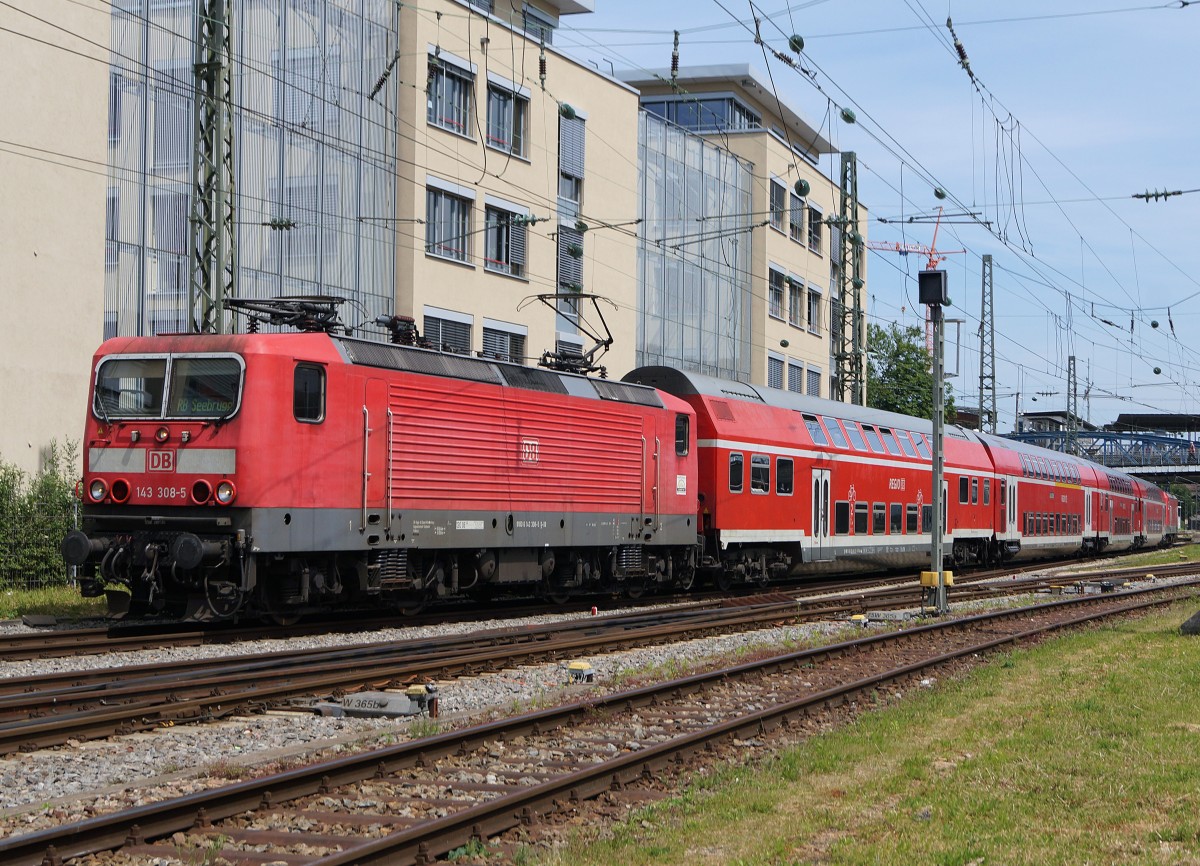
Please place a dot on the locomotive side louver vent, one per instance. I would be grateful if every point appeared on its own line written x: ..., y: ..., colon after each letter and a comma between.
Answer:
x: 533, y: 379
x: 624, y: 393
x: 420, y: 361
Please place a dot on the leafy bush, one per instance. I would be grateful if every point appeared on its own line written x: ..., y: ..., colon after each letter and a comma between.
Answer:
x: 35, y: 513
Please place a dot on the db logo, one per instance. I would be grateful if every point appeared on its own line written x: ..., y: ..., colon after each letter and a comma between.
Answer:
x: 530, y: 450
x: 162, y: 461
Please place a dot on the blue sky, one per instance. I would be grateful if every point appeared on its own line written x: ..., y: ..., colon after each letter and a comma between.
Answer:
x: 1079, y: 106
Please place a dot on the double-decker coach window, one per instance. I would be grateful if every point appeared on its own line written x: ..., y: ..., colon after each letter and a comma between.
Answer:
x: 682, y: 434
x: 308, y: 396
x: 963, y: 489
x: 856, y: 437
x: 760, y: 473
x: 862, y: 518
x: 889, y: 442
x: 131, y: 387
x: 879, y: 518
x: 815, y: 430
x: 204, y: 387
x: 896, y: 521
x: 735, y: 472
x: 841, y: 518
x: 836, y: 436
x: 784, y: 482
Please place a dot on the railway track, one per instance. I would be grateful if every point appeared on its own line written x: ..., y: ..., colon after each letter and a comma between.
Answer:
x: 151, y: 635
x: 413, y: 802
x: 46, y: 710
x: 51, y: 709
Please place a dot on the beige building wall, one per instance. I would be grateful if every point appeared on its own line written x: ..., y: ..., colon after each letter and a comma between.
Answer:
x: 792, y: 327
x: 53, y: 140
x: 464, y: 158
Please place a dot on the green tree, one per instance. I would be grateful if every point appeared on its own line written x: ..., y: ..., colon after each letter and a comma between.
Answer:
x: 899, y: 372
x: 1187, y: 500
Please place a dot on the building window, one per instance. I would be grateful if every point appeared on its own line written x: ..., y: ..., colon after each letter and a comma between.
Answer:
x: 503, y: 345
x: 570, y: 259
x: 814, y: 311
x: 504, y: 242
x: 172, y: 131
x: 539, y: 27
x: 114, y: 108
x: 308, y: 393
x: 508, y: 114
x: 112, y: 228
x: 814, y: 229
x: 572, y: 151
x: 704, y: 115
x: 796, y: 218
x: 814, y: 382
x: 795, y: 377
x: 775, y: 281
x: 778, y: 203
x: 448, y: 96
x: 482, y: 5
x: 447, y: 225
x: 774, y: 372
x: 795, y: 302
x: 308, y: 88
x: 448, y: 335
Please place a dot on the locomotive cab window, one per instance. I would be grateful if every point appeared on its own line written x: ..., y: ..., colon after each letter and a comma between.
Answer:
x: 682, y: 434
x: 760, y: 473
x: 308, y: 395
x: 735, y: 472
x: 131, y: 387
x: 168, y: 386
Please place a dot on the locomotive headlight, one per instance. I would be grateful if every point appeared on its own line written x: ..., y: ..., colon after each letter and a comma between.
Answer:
x: 226, y: 492
x: 162, y: 434
x: 97, y: 489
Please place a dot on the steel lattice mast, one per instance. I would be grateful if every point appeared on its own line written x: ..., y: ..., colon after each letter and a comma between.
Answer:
x: 848, y: 321
x: 1072, y: 406
x: 987, y: 352
x: 213, y: 233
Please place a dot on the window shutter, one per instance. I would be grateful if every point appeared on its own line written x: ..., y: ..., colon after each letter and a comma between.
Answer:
x: 570, y: 268
x: 571, y: 141
x: 516, y: 241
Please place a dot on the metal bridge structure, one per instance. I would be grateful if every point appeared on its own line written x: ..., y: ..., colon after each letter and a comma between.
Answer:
x: 1157, y: 457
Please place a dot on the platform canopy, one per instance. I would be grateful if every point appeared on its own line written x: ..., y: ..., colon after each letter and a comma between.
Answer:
x: 1171, y: 423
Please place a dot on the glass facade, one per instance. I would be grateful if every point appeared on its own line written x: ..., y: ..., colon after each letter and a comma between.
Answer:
x: 693, y: 253
x: 315, y: 156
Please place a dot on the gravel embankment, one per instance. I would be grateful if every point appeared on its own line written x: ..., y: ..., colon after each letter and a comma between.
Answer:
x: 52, y: 786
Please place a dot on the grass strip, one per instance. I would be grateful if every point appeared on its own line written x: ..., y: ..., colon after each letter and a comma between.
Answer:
x: 1085, y: 749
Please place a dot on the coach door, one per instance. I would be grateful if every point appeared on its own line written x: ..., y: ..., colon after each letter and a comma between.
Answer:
x: 821, y: 549
x: 1012, y: 507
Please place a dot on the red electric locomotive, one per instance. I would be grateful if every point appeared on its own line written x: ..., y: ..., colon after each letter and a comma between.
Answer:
x: 276, y: 474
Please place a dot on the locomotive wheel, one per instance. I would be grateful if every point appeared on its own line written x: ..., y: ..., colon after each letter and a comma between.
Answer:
x: 723, y: 580
x: 284, y: 619
x: 635, y: 587
x: 554, y: 592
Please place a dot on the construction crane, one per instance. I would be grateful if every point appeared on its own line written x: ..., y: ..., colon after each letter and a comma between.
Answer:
x: 934, y: 257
